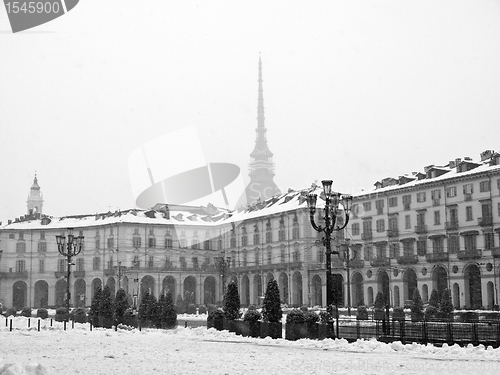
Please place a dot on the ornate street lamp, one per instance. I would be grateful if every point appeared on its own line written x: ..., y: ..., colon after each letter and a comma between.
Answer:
x: 69, y: 249
x: 347, y: 256
x: 331, y: 212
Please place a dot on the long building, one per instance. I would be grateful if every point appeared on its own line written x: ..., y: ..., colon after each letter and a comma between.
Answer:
x: 432, y: 230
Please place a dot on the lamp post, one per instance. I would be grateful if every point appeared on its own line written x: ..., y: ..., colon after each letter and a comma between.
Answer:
x: 223, y: 268
x: 347, y: 256
x: 331, y: 211
x: 69, y: 249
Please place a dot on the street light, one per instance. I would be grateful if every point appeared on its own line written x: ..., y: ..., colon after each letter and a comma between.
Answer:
x: 347, y: 256
x: 69, y: 249
x: 331, y: 211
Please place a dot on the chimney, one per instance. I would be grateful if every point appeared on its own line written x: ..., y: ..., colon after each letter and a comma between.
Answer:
x: 486, y: 154
x: 426, y: 169
x: 451, y: 164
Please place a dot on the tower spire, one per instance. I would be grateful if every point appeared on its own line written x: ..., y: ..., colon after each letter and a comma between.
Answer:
x: 35, y: 198
x: 261, y: 167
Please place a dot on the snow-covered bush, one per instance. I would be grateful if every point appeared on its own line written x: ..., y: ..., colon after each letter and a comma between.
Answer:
x: 42, y: 313
x: 271, y: 307
x: 295, y: 316
x: 26, y: 311
x: 252, y: 316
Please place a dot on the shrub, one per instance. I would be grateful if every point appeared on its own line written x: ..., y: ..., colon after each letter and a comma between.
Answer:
x: 130, y: 318
x: 252, y: 316
x: 191, y: 309
x: 252, y: 308
x: 26, y: 311
x: 11, y: 312
x: 42, y: 313
x: 179, y: 305
x: 106, y: 307
x: 362, y: 313
x: 311, y: 317
x: 79, y: 315
x: 167, y: 311
x: 398, y: 313
x: 325, y: 317
x: 211, y: 308
x: 379, y: 301
x: 333, y: 311
x: 304, y: 308
x: 232, y: 302
x: 417, y: 306
x: 202, y: 309
x: 214, y: 315
x: 271, y: 307
x: 434, y: 300
x: 61, y: 314
x: 295, y: 316
x: 430, y: 311
x: 446, y: 306
x: 94, y: 307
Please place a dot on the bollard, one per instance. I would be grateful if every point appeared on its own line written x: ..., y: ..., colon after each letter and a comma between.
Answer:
x: 185, y: 324
x: 139, y: 327
x: 90, y: 326
x: 38, y: 325
x: 11, y: 325
x: 29, y: 322
x: 65, y: 325
x: 6, y: 322
x: 51, y: 322
x: 116, y: 327
x: 72, y: 324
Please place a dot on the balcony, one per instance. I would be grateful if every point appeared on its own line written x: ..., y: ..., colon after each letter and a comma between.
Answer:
x: 495, y: 252
x: 436, y: 257
x: 109, y: 272
x: 357, y: 263
x: 421, y: 229
x: 469, y: 254
x: 408, y: 259
x: 380, y: 262
x: 60, y: 274
x: 452, y: 225
x: 79, y: 274
x: 14, y: 275
x: 366, y: 236
x: 485, y: 221
x: 392, y: 233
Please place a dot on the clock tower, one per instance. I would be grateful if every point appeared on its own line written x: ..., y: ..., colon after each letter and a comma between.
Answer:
x: 35, y: 199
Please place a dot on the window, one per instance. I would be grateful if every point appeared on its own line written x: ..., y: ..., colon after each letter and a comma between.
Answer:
x: 498, y: 208
x: 421, y: 246
x: 367, y: 226
x: 281, y: 232
x: 42, y: 247
x: 453, y: 215
x: 436, y: 194
x: 468, y: 213
x: 110, y: 262
x: 21, y: 247
x: 380, y: 225
x: 393, y: 249
x: 96, y: 264
x: 195, y: 262
x: 437, y: 245
x: 489, y: 241
x: 321, y: 256
x: 367, y: 206
x: 269, y: 255
x: 136, y: 242
x: 61, y: 265
x: 12, y: 236
x: 437, y: 217
x: 470, y: 242
x: 256, y: 238
x: 295, y: 232
x: 244, y: 240
x: 80, y: 264
x: 406, y: 201
x: 21, y: 235
x: 379, y: 205
x: 206, y: 245
x: 182, y: 243
x: 451, y: 191
x: 20, y: 266
x: 41, y: 265
x: 257, y: 257
x: 393, y: 201
x: 168, y: 242
x: 152, y: 242
x: 355, y: 228
x: 468, y: 189
x: 486, y: 211
x: 368, y: 252
x: 283, y: 254
x: 380, y: 248
x: 421, y: 197
x: 182, y: 261
x: 408, y: 248
x: 453, y: 243
x: 420, y: 219
x: 151, y: 261
x: 269, y: 236
x: 407, y: 222
x: 136, y: 262
x: 484, y: 186
x: 97, y: 242
x: 111, y: 243
x: 42, y: 235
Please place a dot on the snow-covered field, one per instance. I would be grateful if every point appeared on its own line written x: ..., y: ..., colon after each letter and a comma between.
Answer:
x: 202, y: 351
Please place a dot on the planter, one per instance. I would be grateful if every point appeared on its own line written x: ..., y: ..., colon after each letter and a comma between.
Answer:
x: 271, y: 329
x: 295, y: 331
x: 235, y: 326
x: 105, y: 322
x: 398, y: 315
x: 417, y: 316
x: 218, y: 323
x: 169, y: 325
x: 362, y: 314
x: 379, y: 314
x: 251, y: 329
x: 326, y: 331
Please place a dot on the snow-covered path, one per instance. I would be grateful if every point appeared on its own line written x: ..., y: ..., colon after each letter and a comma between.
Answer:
x: 198, y: 350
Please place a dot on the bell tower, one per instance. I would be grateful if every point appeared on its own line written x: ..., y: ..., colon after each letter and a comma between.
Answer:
x: 35, y: 199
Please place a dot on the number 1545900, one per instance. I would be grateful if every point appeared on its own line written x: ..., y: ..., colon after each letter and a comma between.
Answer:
x: 32, y: 7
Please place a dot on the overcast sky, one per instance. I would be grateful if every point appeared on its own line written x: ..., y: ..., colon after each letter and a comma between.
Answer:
x: 354, y: 91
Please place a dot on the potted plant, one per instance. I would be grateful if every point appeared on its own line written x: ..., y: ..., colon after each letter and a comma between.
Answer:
x: 61, y: 314
x: 417, y: 307
x: 232, y: 309
x: 378, y: 311
x: 362, y: 313
x: 106, y: 309
x: 325, y: 327
x: 295, y: 325
x: 445, y: 310
x: 430, y: 313
x: 251, y: 325
x: 168, y: 314
x: 271, y: 312
x: 398, y: 314
x: 215, y: 319
x: 311, y: 320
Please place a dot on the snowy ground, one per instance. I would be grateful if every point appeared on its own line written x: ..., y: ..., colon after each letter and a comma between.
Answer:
x: 202, y: 351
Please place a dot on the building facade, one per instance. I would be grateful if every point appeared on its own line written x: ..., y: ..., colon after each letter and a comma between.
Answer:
x: 433, y: 230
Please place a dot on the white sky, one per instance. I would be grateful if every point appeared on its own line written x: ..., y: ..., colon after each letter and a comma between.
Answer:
x: 354, y: 91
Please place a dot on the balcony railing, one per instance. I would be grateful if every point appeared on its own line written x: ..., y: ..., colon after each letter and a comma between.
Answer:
x: 61, y: 274
x: 407, y: 259
x: 469, y: 254
x: 357, y: 263
x: 109, y: 272
x: 380, y: 262
x: 452, y: 225
x: 420, y: 229
x: 79, y: 274
x: 392, y: 233
x: 14, y: 275
x: 485, y: 221
x: 495, y: 252
x: 365, y: 236
x: 437, y: 257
